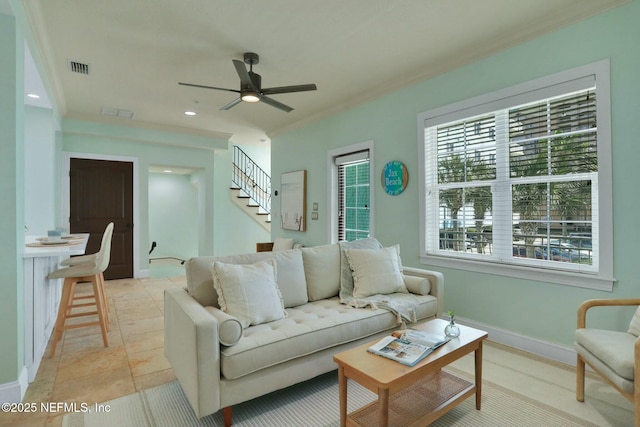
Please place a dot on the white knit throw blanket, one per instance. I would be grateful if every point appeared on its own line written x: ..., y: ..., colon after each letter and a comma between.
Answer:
x: 401, y: 304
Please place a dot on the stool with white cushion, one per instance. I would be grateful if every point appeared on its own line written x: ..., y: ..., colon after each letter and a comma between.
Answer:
x: 91, y: 270
x: 106, y: 242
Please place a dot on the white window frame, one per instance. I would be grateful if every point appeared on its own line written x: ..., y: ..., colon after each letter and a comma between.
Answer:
x: 602, y: 278
x: 332, y: 186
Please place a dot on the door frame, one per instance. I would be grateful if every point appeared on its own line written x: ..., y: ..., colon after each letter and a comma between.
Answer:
x: 65, y: 196
x: 332, y: 187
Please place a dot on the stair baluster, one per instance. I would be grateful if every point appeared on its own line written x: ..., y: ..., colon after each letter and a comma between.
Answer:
x: 252, y: 180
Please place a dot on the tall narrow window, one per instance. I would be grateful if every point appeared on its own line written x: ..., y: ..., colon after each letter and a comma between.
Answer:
x: 353, y: 200
x: 350, y: 203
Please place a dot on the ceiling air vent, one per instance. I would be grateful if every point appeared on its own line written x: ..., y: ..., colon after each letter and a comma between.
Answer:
x: 116, y: 112
x: 78, y: 67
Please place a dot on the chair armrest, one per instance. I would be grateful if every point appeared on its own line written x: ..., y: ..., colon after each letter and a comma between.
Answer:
x: 612, y: 302
x: 192, y: 347
x: 436, y: 279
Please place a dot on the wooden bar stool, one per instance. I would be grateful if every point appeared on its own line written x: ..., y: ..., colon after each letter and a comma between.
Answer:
x: 106, y: 242
x: 91, y: 270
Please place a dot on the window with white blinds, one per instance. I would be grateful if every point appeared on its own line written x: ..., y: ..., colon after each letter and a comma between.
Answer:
x: 353, y: 196
x: 517, y: 177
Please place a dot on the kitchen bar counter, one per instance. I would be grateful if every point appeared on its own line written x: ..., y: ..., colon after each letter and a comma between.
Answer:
x: 55, y: 250
x: 42, y: 296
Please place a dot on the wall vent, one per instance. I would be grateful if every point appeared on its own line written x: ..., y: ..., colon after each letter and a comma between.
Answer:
x: 78, y: 67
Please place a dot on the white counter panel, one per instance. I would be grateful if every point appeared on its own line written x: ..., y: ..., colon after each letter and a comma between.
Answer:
x: 42, y: 297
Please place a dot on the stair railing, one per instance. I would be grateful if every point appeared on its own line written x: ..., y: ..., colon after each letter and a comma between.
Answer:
x: 250, y: 178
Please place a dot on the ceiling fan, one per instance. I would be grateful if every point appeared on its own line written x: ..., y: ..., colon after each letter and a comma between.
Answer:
x: 250, y: 86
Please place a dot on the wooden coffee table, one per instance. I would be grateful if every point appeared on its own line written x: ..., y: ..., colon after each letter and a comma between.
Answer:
x: 410, y: 395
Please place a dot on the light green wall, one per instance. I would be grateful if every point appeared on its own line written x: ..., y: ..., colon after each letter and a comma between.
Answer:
x: 260, y: 153
x: 11, y: 200
x: 149, y: 148
x: 173, y: 215
x: 223, y: 229
x: 40, y: 155
x: 236, y: 233
x: 540, y: 310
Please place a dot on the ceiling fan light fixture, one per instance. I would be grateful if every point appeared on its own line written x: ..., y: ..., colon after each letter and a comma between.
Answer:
x: 250, y: 96
x: 251, y: 89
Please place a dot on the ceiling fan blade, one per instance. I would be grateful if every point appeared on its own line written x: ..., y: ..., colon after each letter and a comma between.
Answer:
x: 232, y: 104
x: 245, y: 80
x: 288, y: 89
x: 274, y: 103
x: 208, y: 87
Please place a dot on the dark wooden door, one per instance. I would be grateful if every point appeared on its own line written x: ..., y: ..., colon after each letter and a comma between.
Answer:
x: 101, y: 191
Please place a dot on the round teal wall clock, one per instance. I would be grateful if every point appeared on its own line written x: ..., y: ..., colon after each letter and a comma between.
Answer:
x: 395, y: 177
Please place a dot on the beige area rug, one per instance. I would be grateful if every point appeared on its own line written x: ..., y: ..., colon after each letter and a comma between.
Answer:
x: 314, y: 403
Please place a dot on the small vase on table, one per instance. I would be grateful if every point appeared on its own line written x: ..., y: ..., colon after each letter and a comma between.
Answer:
x: 452, y: 330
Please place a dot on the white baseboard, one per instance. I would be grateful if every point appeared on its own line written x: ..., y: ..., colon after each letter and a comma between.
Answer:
x: 546, y: 349
x: 14, y: 391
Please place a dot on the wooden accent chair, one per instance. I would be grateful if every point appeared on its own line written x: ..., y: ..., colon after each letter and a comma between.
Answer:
x: 614, y: 355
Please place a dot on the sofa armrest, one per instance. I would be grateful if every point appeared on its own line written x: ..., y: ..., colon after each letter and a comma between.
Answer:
x: 192, y: 347
x: 436, y: 279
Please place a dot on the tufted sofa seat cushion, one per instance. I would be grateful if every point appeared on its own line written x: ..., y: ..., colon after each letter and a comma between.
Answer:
x: 307, y: 329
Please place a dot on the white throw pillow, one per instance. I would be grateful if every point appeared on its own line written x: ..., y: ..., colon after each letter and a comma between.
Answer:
x: 282, y: 244
x: 322, y: 271
x: 229, y: 328
x: 376, y: 271
x: 290, y: 277
x: 417, y: 285
x: 634, y: 325
x: 249, y: 292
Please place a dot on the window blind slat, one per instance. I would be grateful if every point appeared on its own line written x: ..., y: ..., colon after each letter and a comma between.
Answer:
x: 352, y: 157
x: 353, y: 196
x: 530, y: 167
x: 451, y: 113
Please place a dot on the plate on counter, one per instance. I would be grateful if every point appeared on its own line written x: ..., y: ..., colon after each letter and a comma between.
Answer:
x: 46, y: 243
x: 45, y: 240
x: 50, y: 243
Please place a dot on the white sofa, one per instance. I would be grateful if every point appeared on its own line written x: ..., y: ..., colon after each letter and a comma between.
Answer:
x: 220, y: 363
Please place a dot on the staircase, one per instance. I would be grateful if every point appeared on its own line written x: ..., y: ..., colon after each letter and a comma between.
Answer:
x: 251, y: 188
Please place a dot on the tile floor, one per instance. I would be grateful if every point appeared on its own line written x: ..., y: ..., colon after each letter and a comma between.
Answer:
x: 552, y: 384
x: 84, y: 371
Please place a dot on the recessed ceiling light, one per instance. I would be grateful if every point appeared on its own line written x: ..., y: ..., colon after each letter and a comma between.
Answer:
x: 33, y: 96
x: 167, y: 171
x: 189, y: 113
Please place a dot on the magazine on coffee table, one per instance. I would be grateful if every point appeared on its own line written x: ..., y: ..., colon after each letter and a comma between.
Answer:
x: 408, y: 346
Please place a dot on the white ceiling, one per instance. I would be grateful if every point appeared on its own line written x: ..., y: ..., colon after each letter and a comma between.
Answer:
x: 354, y: 50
